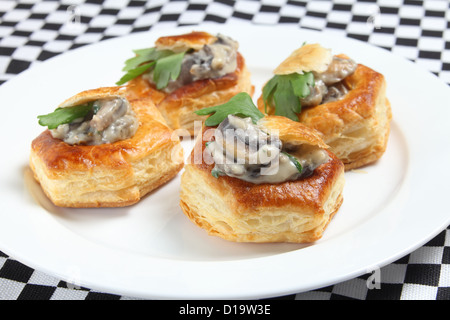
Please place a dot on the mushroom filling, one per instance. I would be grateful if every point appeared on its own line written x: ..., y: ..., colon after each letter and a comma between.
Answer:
x: 109, y: 121
x: 212, y: 61
x: 328, y: 85
x: 247, y: 151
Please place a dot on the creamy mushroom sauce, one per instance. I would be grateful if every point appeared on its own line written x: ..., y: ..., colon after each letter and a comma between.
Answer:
x: 212, y: 61
x: 244, y: 150
x: 328, y: 85
x: 113, y: 121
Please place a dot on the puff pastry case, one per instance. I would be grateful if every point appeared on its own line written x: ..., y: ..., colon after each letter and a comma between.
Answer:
x: 320, y: 115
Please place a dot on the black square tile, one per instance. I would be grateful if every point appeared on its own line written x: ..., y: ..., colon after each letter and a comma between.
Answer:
x: 36, y: 292
x: 437, y: 241
x: 443, y: 293
x: 101, y: 296
x: 446, y: 252
x: 14, y: 270
x: 425, y: 274
x: 387, y: 291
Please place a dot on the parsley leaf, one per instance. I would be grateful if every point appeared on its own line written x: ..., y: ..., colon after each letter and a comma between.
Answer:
x: 64, y: 115
x: 241, y: 105
x: 294, y: 161
x: 285, y: 91
x: 134, y: 73
x: 167, y: 66
x: 216, y: 173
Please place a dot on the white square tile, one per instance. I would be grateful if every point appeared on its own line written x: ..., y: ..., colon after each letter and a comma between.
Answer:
x: 388, y: 20
x: 364, y: 8
x: 89, y: 9
x: 58, y: 45
x: 146, y: 19
x: 355, y: 288
x: 10, y: 290
x: 438, y: 5
x: 16, y: 15
x: 115, y: 4
x: 118, y: 30
x: 245, y: 6
x: 27, y: 53
x: 13, y: 41
x: 192, y: 17
x: 45, y: 7
x: 410, y: 32
x: 174, y: 7
x: 277, y: 3
x: 313, y: 22
x: 219, y: 9
x: 418, y: 292
x: 292, y: 11
x: 344, y: 1
x: 73, y: 29
x: 88, y: 38
x: 266, y: 18
x: 72, y: 2
x: 62, y: 17
x: 41, y: 278
x: 69, y: 294
x: 433, y: 23
x: 200, y: 1
x: 431, y: 44
x: 411, y: 12
x: 390, y: 3
x: 319, y: 6
x: 361, y: 28
x: 7, y: 5
x: 340, y: 17
x: 130, y: 13
x: 5, y: 31
x: 102, y: 21
x: 43, y: 35
x: 444, y: 279
x: 29, y: 25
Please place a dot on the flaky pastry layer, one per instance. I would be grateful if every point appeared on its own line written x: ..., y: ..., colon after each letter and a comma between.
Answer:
x: 294, y: 211
x: 108, y: 175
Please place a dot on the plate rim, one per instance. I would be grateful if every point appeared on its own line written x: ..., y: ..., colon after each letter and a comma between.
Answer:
x: 250, y: 294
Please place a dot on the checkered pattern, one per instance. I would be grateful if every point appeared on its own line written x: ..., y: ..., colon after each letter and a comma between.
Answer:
x: 32, y: 31
x: 422, y: 275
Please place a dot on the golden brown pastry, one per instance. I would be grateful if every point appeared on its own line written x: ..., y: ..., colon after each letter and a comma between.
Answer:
x: 111, y: 156
x: 347, y: 104
x: 211, y: 72
x: 230, y: 196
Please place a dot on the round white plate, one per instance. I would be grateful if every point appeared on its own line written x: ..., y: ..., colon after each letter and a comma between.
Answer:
x: 151, y: 250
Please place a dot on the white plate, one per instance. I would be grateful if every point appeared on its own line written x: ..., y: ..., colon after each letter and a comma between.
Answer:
x: 151, y: 250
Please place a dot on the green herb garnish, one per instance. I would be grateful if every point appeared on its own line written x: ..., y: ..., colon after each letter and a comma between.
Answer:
x: 240, y: 105
x: 285, y: 92
x: 64, y: 115
x: 167, y: 66
x: 216, y: 173
x: 294, y: 161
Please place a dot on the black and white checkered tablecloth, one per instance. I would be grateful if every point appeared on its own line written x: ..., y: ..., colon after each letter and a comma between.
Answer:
x: 32, y: 31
